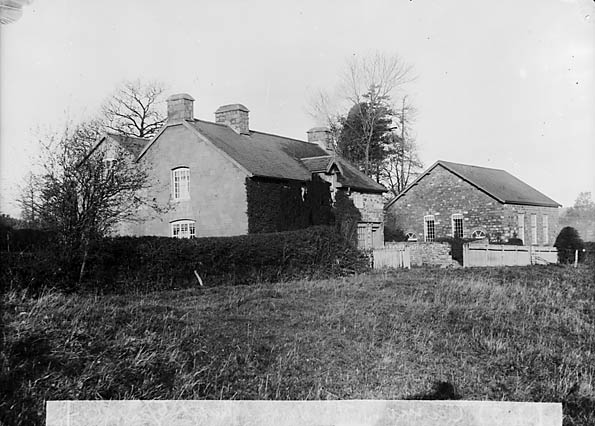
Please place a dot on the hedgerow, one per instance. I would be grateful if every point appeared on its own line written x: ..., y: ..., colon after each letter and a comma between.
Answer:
x: 125, y: 264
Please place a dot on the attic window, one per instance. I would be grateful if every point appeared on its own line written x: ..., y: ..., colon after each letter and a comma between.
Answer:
x: 180, y: 183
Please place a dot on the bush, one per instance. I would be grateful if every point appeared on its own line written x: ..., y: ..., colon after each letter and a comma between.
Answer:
x: 567, y: 242
x: 394, y: 234
x: 456, y: 246
x: 24, y: 239
x: 124, y: 264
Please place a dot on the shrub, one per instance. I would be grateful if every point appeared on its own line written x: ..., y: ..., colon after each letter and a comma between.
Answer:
x: 567, y: 242
x: 24, y: 239
x: 514, y: 242
x: 124, y: 264
x: 456, y: 246
x: 394, y: 234
x: 346, y: 217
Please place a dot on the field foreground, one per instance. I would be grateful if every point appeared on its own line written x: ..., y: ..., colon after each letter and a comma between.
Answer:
x: 518, y: 334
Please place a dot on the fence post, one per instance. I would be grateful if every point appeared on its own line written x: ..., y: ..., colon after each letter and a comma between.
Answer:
x: 407, y: 258
x: 575, y: 258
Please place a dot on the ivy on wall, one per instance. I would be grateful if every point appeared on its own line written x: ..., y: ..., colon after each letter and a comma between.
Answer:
x: 283, y: 205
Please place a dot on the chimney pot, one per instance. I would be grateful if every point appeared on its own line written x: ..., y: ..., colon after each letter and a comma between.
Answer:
x: 180, y: 107
x: 234, y: 116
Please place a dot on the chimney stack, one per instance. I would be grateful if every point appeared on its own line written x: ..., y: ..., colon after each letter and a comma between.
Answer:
x: 234, y: 116
x: 322, y: 137
x: 180, y: 107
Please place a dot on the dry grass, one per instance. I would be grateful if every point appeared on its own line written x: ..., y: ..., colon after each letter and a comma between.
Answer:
x: 523, y: 334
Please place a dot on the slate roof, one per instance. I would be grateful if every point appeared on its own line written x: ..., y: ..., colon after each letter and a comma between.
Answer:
x: 131, y: 144
x: 497, y: 183
x: 267, y: 155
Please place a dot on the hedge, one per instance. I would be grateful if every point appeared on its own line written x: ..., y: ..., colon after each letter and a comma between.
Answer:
x: 125, y: 264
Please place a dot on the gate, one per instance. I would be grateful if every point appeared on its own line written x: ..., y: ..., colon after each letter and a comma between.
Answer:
x: 392, y: 257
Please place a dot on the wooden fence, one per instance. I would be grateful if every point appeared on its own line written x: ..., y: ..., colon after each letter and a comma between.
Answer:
x: 502, y: 255
x: 392, y: 257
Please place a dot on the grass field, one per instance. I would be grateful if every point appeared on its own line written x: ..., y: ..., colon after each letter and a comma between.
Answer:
x: 522, y: 334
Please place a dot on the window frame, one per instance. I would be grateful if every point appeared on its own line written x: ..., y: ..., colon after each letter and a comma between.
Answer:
x: 533, y: 229
x: 190, y: 232
x: 427, y: 219
x: 545, y: 227
x: 453, y: 220
x: 411, y: 236
x: 478, y: 234
x: 521, y: 226
x: 177, y: 187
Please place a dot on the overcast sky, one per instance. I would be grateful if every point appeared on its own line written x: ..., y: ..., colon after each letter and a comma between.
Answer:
x: 504, y: 84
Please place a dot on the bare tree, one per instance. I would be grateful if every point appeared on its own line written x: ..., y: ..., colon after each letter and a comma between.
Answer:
x: 82, y: 197
x: 403, y: 162
x: 135, y: 109
x: 373, y: 81
x: 362, y: 104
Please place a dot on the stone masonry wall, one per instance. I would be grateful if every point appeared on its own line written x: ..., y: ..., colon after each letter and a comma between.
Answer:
x: 217, y: 188
x: 430, y: 254
x: 442, y: 194
x: 512, y: 228
x: 371, y: 208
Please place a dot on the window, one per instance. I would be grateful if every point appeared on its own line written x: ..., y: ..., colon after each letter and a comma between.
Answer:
x: 521, y: 227
x: 362, y: 236
x: 108, y: 166
x: 180, y: 183
x: 183, y: 229
x: 411, y: 236
x: 478, y: 234
x: 457, y: 225
x: 429, y: 228
x: 533, y: 229
x: 546, y: 229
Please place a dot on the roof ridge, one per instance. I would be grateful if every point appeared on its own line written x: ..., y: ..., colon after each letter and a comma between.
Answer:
x: 317, y: 156
x: 257, y: 131
x: 471, y: 165
x: 120, y: 135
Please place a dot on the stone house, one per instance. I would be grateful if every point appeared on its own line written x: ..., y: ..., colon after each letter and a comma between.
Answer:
x: 199, y: 172
x: 464, y: 201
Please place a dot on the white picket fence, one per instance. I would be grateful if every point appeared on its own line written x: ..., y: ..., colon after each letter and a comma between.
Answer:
x: 502, y: 255
x: 392, y: 257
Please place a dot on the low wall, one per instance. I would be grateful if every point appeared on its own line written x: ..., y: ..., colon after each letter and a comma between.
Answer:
x: 428, y: 253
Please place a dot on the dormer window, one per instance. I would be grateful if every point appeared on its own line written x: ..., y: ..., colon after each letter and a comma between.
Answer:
x: 180, y: 183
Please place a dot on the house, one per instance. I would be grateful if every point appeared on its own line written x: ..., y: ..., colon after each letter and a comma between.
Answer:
x: 464, y: 201
x: 201, y: 174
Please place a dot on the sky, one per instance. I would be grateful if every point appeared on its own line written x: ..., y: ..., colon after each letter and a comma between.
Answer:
x: 505, y: 84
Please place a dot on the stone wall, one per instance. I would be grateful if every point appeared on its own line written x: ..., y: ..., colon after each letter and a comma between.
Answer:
x: 441, y: 193
x: 371, y: 223
x: 429, y: 254
x: 511, y: 228
x: 371, y: 206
